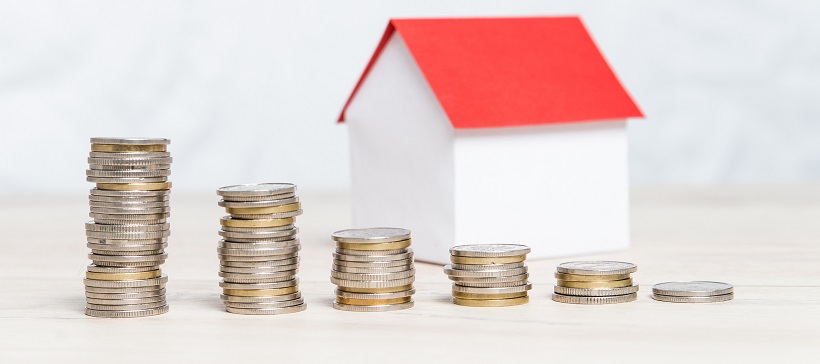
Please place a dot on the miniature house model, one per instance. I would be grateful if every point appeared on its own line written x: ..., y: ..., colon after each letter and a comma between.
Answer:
x: 488, y: 131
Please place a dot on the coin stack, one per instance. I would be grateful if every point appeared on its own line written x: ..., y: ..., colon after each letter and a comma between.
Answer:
x: 373, y: 269
x: 129, y: 233
x: 693, y: 292
x: 489, y: 275
x: 259, y: 250
x: 595, y: 283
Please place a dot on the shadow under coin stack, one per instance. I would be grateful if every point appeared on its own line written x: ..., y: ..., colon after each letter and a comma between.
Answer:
x: 373, y: 269
x: 595, y: 283
x: 489, y: 275
x: 693, y: 292
x: 129, y: 233
x: 259, y: 252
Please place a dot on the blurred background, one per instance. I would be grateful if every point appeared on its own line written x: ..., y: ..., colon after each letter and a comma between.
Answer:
x: 250, y: 90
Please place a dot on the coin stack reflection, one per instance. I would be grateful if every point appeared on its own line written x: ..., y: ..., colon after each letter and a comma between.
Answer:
x: 373, y: 270
x: 595, y: 283
x: 489, y: 275
x: 259, y: 252
x: 129, y: 231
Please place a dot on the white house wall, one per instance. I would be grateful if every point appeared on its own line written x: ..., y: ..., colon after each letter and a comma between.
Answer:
x: 401, y: 154
x: 562, y: 189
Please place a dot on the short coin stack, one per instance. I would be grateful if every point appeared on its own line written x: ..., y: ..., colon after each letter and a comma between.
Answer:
x: 693, y: 292
x: 259, y: 252
x: 373, y: 269
x: 489, y: 275
x: 129, y: 233
x: 595, y: 283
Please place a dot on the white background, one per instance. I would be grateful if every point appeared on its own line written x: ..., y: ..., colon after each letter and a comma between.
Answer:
x: 250, y: 90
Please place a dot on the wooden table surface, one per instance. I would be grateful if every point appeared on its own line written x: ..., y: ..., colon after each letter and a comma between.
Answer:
x: 765, y: 241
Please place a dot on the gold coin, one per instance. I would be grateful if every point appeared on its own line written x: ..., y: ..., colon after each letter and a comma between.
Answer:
x: 376, y: 302
x: 255, y: 223
x: 123, y: 276
x: 491, y: 303
x: 151, y: 186
x: 493, y: 260
x: 588, y: 278
x: 374, y: 246
x: 260, y: 292
x: 376, y: 290
x: 263, y: 210
x: 118, y: 148
x: 603, y: 284
x: 484, y: 296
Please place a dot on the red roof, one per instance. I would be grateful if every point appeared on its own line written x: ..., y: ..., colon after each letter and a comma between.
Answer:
x: 496, y: 72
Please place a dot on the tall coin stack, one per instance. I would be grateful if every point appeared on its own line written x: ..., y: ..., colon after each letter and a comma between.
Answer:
x: 489, y: 275
x: 595, y: 283
x: 129, y: 233
x: 373, y: 269
x: 259, y: 252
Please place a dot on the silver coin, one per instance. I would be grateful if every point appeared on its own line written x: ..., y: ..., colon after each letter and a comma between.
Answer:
x: 581, y: 300
x: 136, y: 194
x: 129, y: 173
x: 128, y: 236
x: 256, y: 229
x: 375, y: 296
x: 128, y: 264
x: 372, y: 276
x: 492, y: 290
x: 254, y: 277
x: 130, y: 211
x: 258, y: 234
x: 371, y: 235
x: 596, y: 268
x: 126, y: 200
x: 369, y: 270
x: 267, y: 311
x: 694, y: 299
x: 97, y: 269
x: 448, y: 269
x: 129, y: 218
x: 120, y: 296
x: 492, y: 284
x: 141, y: 306
x: 127, y: 259
x: 115, y: 242
x: 471, y: 280
x: 374, y: 265
x: 372, y: 284
x: 257, y: 204
x: 123, y: 290
x: 130, y: 252
x: 261, y: 198
x: 265, y: 299
x: 228, y: 285
x: 278, y: 215
x: 489, y: 250
x: 126, y: 167
x: 257, y: 260
x: 370, y: 252
x: 131, y: 141
x: 374, y: 258
x: 260, y: 264
x: 256, y: 189
x: 257, y: 245
x: 130, y: 228
x: 596, y: 292
x: 488, y: 266
x: 126, y: 180
x: 128, y: 155
x: 379, y: 308
x: 692, y: 289
x: 127, y: 314
x: 130, y: 249
x: 260, y: 252
x: 124, y: 301
x: 125, y: 284
x: 130, y: 161
x: 251, y: 270
x: 265, y: 305
x: 119, y: 205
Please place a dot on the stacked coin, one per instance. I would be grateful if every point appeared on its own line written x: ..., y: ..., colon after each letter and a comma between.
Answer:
x: 595, y: 283
x: 129, y: 233
x: 259, y: 250
x: 693, y: 292
x: 373, y: 269
x: 489, y: 275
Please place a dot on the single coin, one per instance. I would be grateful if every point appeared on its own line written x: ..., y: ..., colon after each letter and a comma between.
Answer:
x: 258, y: 245
x: 120, y: 296
x: 261, y: 264
x: 274, y: 209
x: 596, y: 292
x: 122, y: 155
x: 129, y: 211
x: 124, y: 242
x: 590, y: 278
x: 134, y: 186
x: 260, y: 252
x: 257, y: 223
x: 260, y: 292
x: 118, y: 199
x: 594, y: 300
x: 127, y: 258
x: 131, y: 141
x: 478, y: 296
x: 521, y: 278
x: 125, y: 283
x: 603, y: 284
x: 129, y: 194
x: 372, y: 276
x: 130, y: 228
x: 369, y: 270
x: 369, y: 252
x: 123, y: 290
x: 125, y: 253
x: 98, y: 269
x: 694, y: 299
x: 117, y: 148
x: 256, y: 189
x: 129, y: 205
x: 122, y: 219
x: 278, y: 215
x: 262, y: 299
x: 692, y: 289
x: 491, y: 303
x: 376, y: 290
x: 372, y: 302
x: 382, y: 308
x: 127, y: 167
x: 492, y: 284
x: 347, y: 283
x: 257, y: 260
x: 374, y: 265
x: 121, y: 249
x: 129, y: 264
x: 265, y: 305
x: 448, y: 269
x: 597, y: 268
x: 375, y: 257
x: 258, y: 229
x: 267, y: 311
x: 371, y: 235
x: 131, y: 161
x: 252, y: 286
x: 488, y: 266
x: 140, y: 306
x: 130, y: 173
x: 256, y: 278
x: 493, y: 260
x: 124, y: 301
x: 375, y: 296
x: 403, y: 244
x: 261, y: 234
x: 130, y: 180
x: 127, y: 314
x: 252, y: 270
x: 489, y: 250
x: 280, y: 205
x: 280, y: 196
x: 491, y: 290
x: 123, y: 276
